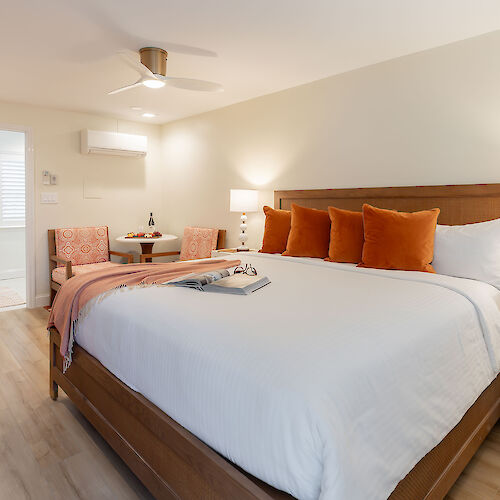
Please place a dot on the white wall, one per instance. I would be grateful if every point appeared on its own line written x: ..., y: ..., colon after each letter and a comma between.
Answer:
x: 427, y: 118
x: 130, y: 188
x: 12, y: 253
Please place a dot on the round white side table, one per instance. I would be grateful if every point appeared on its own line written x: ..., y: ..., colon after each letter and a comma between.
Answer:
x: 147, y: 243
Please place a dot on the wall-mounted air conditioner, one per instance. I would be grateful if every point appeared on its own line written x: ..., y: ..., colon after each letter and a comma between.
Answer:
x: 113, y: 143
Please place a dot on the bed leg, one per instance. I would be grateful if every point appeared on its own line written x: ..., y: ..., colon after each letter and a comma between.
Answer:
x: 53, y: 387
x: 53, y: 390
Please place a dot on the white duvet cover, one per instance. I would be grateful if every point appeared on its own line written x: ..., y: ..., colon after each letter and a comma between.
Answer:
x: 332, y: 382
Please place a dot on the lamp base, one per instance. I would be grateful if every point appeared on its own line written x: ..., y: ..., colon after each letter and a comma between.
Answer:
x: 243, y: 237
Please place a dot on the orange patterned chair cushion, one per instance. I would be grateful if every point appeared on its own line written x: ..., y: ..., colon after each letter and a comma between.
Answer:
x: 198, y: 243
x: 83, y: 245
x: 59, y: 273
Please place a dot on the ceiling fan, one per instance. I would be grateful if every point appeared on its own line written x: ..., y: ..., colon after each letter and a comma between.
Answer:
x: 153, y: 70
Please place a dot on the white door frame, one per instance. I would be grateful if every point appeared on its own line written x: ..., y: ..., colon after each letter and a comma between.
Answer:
x: 29, y: 167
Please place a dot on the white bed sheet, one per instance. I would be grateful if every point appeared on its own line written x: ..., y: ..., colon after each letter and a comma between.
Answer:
x: 332, y: 382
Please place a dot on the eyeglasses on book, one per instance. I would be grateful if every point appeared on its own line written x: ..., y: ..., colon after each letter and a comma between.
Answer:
x: 248, y: 269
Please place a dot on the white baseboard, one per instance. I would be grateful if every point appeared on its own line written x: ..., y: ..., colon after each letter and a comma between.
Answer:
x: 12, y: 274
x: 42, y: 300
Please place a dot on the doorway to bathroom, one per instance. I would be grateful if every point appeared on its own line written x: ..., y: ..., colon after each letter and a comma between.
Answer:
x: 12, y: 219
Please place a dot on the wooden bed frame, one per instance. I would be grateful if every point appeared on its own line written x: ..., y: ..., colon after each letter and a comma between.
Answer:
x: 175, y: 464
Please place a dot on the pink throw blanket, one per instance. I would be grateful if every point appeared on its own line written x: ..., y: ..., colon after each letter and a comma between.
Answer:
x: 77, y: 291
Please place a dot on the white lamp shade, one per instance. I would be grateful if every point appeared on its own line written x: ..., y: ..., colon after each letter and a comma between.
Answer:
x: 244, y: 200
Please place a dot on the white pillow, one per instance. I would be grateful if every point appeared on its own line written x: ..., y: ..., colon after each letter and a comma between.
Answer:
x: 470, y: 251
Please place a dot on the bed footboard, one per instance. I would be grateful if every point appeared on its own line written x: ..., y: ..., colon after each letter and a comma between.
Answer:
x: 173, y: 463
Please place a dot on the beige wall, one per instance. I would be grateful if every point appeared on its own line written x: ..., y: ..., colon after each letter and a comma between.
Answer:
x: 428, y: 118
x: 129, y: 187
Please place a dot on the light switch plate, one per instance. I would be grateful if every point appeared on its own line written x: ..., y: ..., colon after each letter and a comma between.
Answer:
x: 48, y: 198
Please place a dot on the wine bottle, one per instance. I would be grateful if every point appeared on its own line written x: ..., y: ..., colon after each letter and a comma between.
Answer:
x: 151, y: 223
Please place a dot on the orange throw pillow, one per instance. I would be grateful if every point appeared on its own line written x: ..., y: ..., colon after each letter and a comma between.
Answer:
x: 276, y: 230
x: 346, y: 236
x: 310, y: 233
x: 399, y: 240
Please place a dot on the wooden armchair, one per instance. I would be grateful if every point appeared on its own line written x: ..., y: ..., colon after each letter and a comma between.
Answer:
x: 197, y: 243
x: 74, y: 251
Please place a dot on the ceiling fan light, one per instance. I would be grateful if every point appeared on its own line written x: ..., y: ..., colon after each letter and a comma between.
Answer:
x: 153, y: 84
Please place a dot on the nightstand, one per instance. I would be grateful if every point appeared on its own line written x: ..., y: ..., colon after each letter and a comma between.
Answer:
x: 224, y: 251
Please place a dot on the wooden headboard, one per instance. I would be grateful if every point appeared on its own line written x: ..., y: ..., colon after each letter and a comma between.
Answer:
x: 461, y: 204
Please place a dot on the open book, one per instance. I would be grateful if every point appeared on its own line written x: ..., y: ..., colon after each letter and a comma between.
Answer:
x: 222, y: 281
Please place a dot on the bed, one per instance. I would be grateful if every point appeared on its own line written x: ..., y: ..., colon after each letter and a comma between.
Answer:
x: 176, y: 463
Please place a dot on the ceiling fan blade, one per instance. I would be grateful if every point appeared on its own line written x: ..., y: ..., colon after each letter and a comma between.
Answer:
x: 131, y: 58
x: 191, y: 84
x: 184, y: 49
x: 127, y: 87
x: 112, y: 34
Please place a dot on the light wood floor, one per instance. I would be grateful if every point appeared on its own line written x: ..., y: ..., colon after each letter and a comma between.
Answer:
x: 49, y: 451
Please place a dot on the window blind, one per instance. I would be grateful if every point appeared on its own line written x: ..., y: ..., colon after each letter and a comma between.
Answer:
x: 12, y: 190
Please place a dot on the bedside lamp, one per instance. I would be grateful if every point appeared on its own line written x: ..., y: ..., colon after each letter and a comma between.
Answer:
x: 243, y: 200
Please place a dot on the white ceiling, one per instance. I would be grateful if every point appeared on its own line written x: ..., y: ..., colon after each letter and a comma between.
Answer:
x: 62, y: 53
